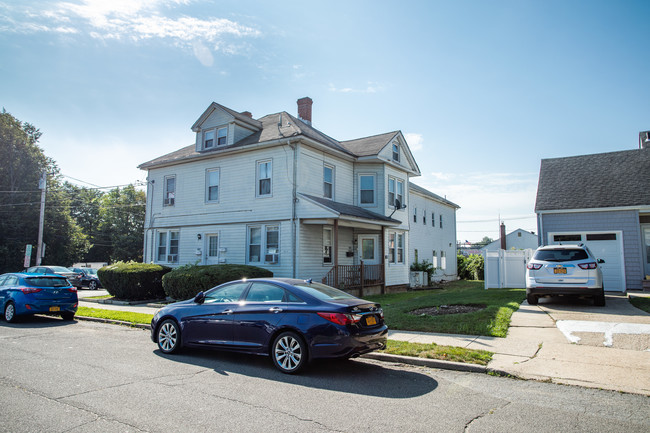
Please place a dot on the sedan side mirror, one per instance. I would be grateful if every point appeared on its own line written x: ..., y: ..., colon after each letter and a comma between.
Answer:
x: 199, y: 298
x: 601, y: 261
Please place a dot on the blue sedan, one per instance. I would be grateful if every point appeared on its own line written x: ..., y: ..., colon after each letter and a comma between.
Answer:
x: 28, y: 293
x: 292, y: 321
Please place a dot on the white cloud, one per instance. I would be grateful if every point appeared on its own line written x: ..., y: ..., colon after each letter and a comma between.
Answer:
x: 203, y: 54
x: 415, y: 141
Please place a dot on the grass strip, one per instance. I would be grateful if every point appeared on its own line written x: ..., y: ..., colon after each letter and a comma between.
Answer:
x: 96, y: 297
x: 124, y: 316
x: 640, y: 303
x: 434, y: 351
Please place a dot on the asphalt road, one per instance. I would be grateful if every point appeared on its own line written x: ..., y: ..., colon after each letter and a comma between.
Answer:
x: 89, y: 377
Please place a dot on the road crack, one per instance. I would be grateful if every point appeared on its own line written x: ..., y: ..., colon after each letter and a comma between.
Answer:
x: 484, y: 414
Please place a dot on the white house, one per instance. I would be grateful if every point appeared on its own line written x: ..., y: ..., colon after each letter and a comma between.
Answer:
x: 277, y: 193
x: 516, y: 240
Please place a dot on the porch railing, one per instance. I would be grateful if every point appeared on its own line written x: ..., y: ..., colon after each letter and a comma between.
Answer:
x: 347, y: 277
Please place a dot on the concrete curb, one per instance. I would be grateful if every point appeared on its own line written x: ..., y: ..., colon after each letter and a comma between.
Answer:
x: 426, y: 362
x: 113, y: 322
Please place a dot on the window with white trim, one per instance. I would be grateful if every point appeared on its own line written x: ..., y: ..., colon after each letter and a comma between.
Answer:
x: 395, y: 191
x: 170, y: 191
x: 367, y: 189
x: 415, y: 214
x: 327, y: 245
x: 395, y: 152
x: 264, y: 244
x: 400, y: 247
x: 400, y: 191
x: 440, y: 220
x: 424, y: 217
x: 222, y: 136
x: 443, y: 260
x: 328, y: 181
x: 264, y: 176
x: 391, y: 191
x: 208, y: 138
x: 168, y: 246
x: 212, y: 185
x: 434, y: 259
x: 391, y: 247
x: 433, y: 219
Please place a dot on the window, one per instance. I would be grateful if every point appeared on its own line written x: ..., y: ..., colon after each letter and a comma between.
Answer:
x: 391, y: 191
x: 400, y: 192
x: 434, y: 259
x: 567, y: 238
x: 328, y: 181
x: 208, y: 139
x: 395, y: 152
x: 601, y: 237
x: 265, y: 292
x: 168, y: 246
x: 170, y: 191
x: 440, y: 221
x: 443, y: 260
x: 264, y: 172
x: 424, y: 217
x: 415, y: 214
x: 213, y: 246
x: 222, y: 136
x: 212, y: 185
x: 327, y: 245
x: 433, y: 219
x: 230, y: 293
x: 264, y: 244
x: 391, y: 248
x: 415, y: 256
x: 367, y: 189
x: 400, y: 248
x: 518, y: 234
x: 367, y: 249
x: 395, y: 191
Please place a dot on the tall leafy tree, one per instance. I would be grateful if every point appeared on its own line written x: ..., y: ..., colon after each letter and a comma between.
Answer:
x: 122, y: 221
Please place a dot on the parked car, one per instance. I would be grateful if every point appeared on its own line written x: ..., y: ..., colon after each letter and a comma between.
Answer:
x: 564, y: 270
x: 86, y: 277
x: 24, y: 294
x: 60, y: 270
x: 292, y: 321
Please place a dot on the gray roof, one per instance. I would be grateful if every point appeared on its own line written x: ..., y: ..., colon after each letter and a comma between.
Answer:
x: 601, y: 180
x: 369, y: 145
x: 426, y: 192
x: 350, y: 210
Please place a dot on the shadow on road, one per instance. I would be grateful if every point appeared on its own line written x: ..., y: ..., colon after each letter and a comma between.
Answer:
x: 352, y: 376
x: 37, y: 321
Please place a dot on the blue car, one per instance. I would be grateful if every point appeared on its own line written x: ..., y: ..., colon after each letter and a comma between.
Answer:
x: 28, y: 293
x: 292, y: 321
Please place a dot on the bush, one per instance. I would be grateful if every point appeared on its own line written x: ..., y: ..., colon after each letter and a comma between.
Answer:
x: 133, y: 281
x: 186, y: 281
x: 471, y: 267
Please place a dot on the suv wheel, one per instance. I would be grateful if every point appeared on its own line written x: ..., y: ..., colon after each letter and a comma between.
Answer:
x: 532, y: 299
x: 599, y: 300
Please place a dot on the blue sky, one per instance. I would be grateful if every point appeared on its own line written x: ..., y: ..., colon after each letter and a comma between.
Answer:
x: 481, y: 89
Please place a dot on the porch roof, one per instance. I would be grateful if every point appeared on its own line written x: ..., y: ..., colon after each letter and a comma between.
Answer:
x: 351, y: 211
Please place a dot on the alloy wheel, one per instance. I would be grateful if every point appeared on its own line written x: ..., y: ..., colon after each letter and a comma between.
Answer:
x: 10, y: 312
x: 168, y: 337
x: 288, y: 353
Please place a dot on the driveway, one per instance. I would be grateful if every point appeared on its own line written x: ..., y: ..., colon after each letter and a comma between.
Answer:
x: 570, y: 341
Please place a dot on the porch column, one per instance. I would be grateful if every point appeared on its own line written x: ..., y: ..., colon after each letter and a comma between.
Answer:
x: 335, y: 241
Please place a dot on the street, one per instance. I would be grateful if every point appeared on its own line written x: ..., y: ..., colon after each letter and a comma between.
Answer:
x: 86, y: 377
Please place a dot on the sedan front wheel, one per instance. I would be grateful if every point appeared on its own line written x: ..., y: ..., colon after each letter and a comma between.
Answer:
x: 289, y: 352
x: 169, y: 337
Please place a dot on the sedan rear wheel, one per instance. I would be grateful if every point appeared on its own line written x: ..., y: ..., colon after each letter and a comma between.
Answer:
x: 10, y: 312
x: 92, y: 285
x: 169, y: 336
x: 289, y: 352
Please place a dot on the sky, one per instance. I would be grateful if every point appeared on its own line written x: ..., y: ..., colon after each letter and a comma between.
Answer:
x: 482, y: 90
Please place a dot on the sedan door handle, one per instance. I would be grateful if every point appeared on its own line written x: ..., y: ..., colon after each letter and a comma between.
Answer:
x: 275, y: 309
x: 227, y: 311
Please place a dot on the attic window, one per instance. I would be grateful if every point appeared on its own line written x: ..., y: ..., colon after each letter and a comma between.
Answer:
x: 395, y: 152
x: 208, y: 139
x: 222, y: 136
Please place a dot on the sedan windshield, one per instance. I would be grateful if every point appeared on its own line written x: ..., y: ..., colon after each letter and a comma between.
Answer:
x: 323, y: 292
x: 561, y: 255
x: 60, y: 269
x: 47, y: 282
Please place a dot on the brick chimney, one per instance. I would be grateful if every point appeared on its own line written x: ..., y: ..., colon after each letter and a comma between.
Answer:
x: 304, y: 109
x: 502, y: 235
x: 247, y: 114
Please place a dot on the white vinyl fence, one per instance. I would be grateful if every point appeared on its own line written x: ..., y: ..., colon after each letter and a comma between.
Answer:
x: 506, y: 268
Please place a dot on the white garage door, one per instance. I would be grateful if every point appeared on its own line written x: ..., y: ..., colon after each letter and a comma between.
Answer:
x: 604, y: 245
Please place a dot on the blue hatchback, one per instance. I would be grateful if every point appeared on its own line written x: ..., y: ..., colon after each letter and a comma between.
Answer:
x: 28, y: 293
x: 292, y: 321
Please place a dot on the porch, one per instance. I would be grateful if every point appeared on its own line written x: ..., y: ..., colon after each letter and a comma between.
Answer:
x: 356, y: 277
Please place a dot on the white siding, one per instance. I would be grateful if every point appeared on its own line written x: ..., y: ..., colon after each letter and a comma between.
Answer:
x: 310, y: 262
x: 310, y: 175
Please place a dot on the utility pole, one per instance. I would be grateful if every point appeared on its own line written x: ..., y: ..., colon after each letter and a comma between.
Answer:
x: 42, y: 185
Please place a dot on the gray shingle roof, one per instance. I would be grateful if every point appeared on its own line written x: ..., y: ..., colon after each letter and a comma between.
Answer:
x: 428, y: 193
x: 350, y: 210
x: 601, y: 180
x: 369, y: 145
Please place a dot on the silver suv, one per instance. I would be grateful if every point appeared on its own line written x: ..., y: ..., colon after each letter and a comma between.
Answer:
x: 564, y: 270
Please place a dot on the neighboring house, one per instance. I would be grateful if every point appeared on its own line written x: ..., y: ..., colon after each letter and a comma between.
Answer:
x: 433, y: 232
x: 603, y: 201
x: 275, y: 192
x: 517, y: 240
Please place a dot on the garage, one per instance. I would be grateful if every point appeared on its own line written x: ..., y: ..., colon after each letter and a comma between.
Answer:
x: 607, y: 246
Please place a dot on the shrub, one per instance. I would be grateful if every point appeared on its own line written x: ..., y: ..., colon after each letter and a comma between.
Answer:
x: 471, y: 267
x: 133, y: 281
x: 186, y: 281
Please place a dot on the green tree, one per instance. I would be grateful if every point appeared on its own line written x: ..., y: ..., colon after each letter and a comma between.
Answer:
x: 122, y: 221
x: 85, y: 209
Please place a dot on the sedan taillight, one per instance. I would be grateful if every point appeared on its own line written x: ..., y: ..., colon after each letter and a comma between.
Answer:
x: 534, y: 266
x: 72, y: 289
x: 340, y: 318
x: 28, y: 290
x: 590, y: 265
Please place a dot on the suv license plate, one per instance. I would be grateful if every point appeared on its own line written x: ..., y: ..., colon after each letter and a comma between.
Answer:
x: 559, y: 271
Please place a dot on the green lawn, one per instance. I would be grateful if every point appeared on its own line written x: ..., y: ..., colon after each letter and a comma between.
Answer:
x: 434, y: 351
x: 492, y: 321
x: 641, y: 303
x: 124, y: 316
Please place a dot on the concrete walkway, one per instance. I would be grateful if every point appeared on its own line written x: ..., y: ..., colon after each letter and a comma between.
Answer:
x: 541, y: 342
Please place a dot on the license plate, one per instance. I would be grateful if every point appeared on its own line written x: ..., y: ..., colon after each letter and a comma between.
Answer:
x: 371, y: 320
x: 559, y: 271
x: 55, y: 308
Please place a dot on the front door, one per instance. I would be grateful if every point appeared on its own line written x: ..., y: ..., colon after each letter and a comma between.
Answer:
x: 211, y: 249
x: 369, y: 249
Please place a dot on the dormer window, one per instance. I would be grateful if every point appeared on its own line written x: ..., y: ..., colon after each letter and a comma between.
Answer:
x: 208, y: 139
x: 222, y: 136
x: 212, y: 137
x: 395, y: 152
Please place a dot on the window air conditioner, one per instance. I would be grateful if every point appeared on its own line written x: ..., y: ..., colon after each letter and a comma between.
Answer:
x: 172, y: 258
x: 271, y: 258
x: 169, y: 201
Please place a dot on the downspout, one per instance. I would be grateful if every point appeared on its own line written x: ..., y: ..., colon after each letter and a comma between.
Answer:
x: 294, y: 196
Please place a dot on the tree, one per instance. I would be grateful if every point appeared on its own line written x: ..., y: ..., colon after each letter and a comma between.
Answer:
x: 23, y: 161
x: 122, y: 221
x: 486, y: 240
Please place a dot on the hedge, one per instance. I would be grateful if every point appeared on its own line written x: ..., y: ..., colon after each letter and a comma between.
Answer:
x: 471, y: 267
x: 186, y: 281
x: 133, y: 281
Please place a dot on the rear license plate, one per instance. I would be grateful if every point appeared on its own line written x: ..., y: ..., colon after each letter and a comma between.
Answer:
x: 559, y: 271
x: 371, y: 320
x: 55, y: 308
